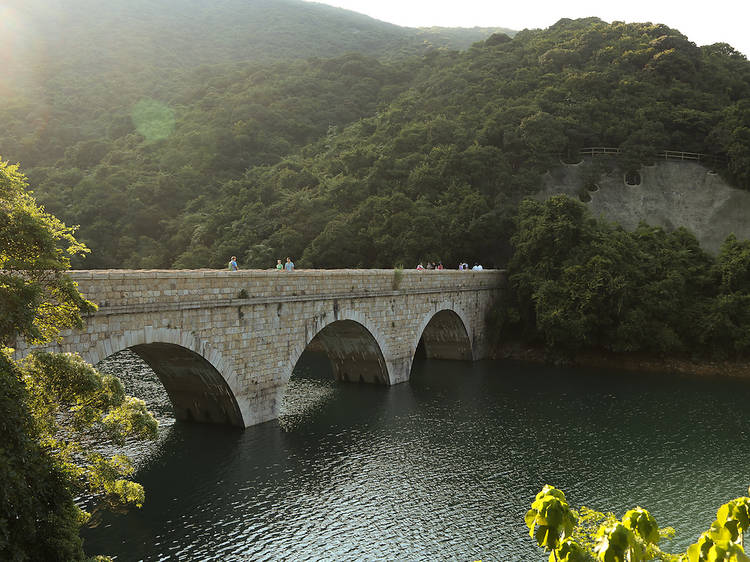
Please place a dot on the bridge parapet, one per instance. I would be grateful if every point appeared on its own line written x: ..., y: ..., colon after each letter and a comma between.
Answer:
x: 120, y: 290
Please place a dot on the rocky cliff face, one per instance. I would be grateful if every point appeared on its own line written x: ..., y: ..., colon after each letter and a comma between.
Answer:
x: 669, y: 194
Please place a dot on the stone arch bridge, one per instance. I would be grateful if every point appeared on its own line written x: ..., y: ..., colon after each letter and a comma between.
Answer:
x: 224, y: 344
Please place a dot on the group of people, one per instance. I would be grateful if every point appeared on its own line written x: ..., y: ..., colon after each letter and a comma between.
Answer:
x: 431, y: 265
x: 288, y: 266
x: 463, y: 266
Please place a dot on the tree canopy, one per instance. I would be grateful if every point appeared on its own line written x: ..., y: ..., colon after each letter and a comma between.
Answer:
x: 365, y: 159
x: 55, y: 410
x: 36, y: 297
x: 577, y: 283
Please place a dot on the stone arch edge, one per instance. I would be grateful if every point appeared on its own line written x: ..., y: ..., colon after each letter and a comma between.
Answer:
x: 317, y: 326
x: 187, y: 340
x: 436, y: 308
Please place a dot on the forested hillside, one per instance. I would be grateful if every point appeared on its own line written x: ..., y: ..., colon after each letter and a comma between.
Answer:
x: 438, y: 173
x: 71, y: 68
x: 360, y: 159
x: 95, y: 37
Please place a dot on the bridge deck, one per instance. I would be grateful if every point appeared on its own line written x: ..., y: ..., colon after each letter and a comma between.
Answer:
x: 122, y: 291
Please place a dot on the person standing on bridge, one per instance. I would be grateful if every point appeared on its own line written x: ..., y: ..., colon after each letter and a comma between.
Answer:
x: 289, y: 264
x: 279, y: 265
x: 233, y: 264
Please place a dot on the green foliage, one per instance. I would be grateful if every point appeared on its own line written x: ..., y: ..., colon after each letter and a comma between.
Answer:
x: 143, y: 38
x: 576, y: 283
x: 642, y: 524
x: 398, y: 275
x: 735, y: 517
x: 55, y: 410
x: 597, y: 536
x: 36, y: 297
x: 569, y: 551
x: 716, y: 545
x: 550, y: 519
x: 396, y: 153
x: 38, y: 519
x: 733, y: 264
x: 617, y: 544
x: 153, y: 120
x: 74, y: 406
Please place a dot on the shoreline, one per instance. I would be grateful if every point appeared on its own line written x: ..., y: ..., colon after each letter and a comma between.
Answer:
x: 637, y: 362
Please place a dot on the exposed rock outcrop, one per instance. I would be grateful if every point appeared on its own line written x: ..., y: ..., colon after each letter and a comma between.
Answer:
x: 669, y: 194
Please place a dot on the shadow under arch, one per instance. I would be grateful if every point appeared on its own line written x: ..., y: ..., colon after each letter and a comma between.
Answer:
x: 444, y: 335
x: 354, y: 351
x: 193, y: 375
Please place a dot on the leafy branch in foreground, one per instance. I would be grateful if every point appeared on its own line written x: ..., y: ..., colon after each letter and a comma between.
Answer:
x: 36, y: 296
x: 78, y: 410
x: 57, y: 413
x: 588, y: 536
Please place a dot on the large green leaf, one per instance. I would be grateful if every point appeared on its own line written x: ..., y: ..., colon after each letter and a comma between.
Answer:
x: 550, y: 519
x: 643, y: 524
x: 734, y: 516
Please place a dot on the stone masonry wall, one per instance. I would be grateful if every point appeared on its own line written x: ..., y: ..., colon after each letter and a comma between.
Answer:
x: 252, y: 326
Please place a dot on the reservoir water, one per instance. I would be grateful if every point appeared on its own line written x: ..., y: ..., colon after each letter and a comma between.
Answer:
x: 443, y: 467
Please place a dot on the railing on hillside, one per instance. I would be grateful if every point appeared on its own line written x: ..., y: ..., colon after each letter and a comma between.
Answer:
x: 662, y: 155
x: 676, y: 155
x: 598, y: 151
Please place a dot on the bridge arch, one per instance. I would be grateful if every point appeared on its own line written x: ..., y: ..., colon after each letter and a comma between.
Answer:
x: 200, y: 384
x: 445, y: 334
x: 240, y: 334
x: 355, y: 348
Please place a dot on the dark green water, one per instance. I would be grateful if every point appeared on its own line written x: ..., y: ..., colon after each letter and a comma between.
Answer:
x: 441, y: 468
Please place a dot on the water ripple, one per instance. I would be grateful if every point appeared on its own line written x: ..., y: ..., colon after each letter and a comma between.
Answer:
x: 442, y: 468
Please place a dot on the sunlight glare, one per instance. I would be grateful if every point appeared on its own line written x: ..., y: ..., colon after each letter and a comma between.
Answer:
x: 14, y: 29
x: 153, y: 119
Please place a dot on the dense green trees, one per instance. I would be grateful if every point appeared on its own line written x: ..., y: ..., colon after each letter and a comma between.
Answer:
x: 486, y: 124
x: 385, y: 156
x: 38, y: 519
x: 577, y: 283
x: 55, y: 410
x: 36, y: 297
x: 129, y: 191
x: 262, y: 159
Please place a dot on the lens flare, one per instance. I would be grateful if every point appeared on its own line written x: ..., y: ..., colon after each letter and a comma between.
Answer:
x: 153, y: 119
x: 16, y: 50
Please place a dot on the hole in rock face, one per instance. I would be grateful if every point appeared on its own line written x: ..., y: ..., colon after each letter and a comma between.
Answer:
x: 633, y: 178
